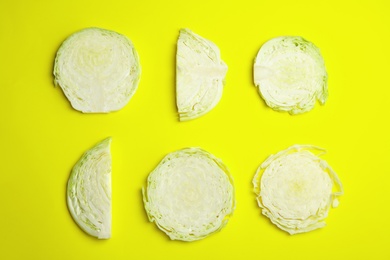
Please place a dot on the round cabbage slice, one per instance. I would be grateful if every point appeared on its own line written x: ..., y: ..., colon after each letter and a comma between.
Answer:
x: 295, y: 189
x: 190, y: 195
x: 98, y: 70
x: 290, y: 74
x: 89, y: 191
x: 200, y: 74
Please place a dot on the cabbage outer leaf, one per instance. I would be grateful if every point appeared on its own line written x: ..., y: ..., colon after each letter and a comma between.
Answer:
x: 98, y: 70
x: 295, y: 189
x: 200, y: 73
x: 189, y: 195
x: 290, y: 74
x: 89, y: 191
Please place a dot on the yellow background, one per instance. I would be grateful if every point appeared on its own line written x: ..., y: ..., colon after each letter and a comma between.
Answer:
x: 42, y: 137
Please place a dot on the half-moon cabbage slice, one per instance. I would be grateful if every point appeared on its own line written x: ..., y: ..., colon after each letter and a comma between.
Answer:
x: 295, y: 189
x: 89, y: 191
x: 200, y: 73
x: 190, y: 194
x: 290, y: 74
x: 98, y: 70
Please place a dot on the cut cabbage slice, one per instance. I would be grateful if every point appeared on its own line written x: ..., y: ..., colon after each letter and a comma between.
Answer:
x: 89, y: 191
x: 200, y: 74
x: 190, y: 195
x: 295, y: 188
x: 98, y: 70
x: 290, y: 74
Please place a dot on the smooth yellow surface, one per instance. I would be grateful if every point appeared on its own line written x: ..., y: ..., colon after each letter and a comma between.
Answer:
x: 42, y: 137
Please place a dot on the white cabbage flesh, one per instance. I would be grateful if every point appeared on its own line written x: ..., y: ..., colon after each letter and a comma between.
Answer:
x: 290, y: 74
x: 98, y: 70
x: 89, y: 191
x: 200, y: 74
x: 189, y: 195
x: 295, y: 189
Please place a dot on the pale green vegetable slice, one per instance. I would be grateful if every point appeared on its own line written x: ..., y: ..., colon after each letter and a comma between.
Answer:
x: 189, y: 195
x: 89, y: 191
x: 295, y: 188
x: 200, y: 74
x: 98, y: 70
x: 290, y: 74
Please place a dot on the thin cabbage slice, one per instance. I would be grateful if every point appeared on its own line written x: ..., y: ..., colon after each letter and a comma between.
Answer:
x: 190, y: 195
x: 89, y: 191
x: 98, y: 70
x: 200, y: 73
x: 295, y: 188
x: 290, y: 74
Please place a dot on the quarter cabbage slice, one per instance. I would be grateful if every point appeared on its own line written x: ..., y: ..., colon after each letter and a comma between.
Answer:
x: 200, y: 74
x: 89, y: 191
x: 290, y: 74
x: 98, y: 70
x: 295, y: 188
x: 190, y: 194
